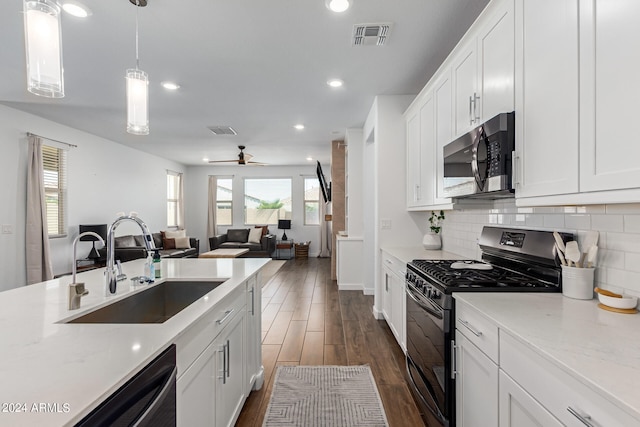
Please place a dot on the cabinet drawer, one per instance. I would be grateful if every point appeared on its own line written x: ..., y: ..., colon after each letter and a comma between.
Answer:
x: 396, y: 266
x: 478, y: 329
x: 558, y: 391
x: 195, y: 339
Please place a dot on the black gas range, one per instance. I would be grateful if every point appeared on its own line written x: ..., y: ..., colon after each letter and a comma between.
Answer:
x: 513, y: 260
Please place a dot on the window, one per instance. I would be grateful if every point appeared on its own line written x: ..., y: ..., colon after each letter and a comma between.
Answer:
x: 224, y: 198
x: 54, y: 163
x: 267, y: 200
x: 173, y: 198
x: 311, y: 201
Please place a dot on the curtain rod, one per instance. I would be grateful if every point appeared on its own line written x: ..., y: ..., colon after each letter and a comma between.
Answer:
x: 54, y: 140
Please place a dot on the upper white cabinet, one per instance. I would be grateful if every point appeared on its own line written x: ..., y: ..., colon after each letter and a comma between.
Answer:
x: 547, y: 98
x: 483, y: 68
x: 610, y: 59
x: 474, y: 84
x: 576, y: 101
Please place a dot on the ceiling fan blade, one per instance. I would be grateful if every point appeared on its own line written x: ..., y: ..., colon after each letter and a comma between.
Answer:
x: 223, y: 161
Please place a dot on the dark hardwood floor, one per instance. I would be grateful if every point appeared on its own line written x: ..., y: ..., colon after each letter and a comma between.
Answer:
x: 307, y: 321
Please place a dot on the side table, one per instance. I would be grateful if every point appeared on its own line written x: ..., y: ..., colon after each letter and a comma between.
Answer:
x: 284, y: 245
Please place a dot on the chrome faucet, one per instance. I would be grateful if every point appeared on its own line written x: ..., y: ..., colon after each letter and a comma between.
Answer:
x: 77, y: 290
x: 111, y: 274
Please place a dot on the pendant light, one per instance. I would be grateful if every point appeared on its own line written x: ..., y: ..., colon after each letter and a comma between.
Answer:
x: 137, y: 90
x: 43, y: 42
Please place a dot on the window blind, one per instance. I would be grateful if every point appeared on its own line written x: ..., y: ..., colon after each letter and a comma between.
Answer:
x: 54, y: 164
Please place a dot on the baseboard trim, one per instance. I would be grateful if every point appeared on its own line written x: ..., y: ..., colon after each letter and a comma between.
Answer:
x: 377, y: 314
x: 350, y: 287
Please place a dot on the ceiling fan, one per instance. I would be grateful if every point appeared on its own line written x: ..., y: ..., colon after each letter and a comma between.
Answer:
x: 243, y: 159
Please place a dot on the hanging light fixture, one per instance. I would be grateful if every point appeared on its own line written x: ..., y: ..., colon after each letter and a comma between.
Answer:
x: 43, y: 42
x: 137, y: 90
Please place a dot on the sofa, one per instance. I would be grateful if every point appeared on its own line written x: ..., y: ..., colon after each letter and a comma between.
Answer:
x: 128, y: 248
x: 239, y: 239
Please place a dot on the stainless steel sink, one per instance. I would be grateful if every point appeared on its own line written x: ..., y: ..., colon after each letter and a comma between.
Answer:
x: 154, y: 305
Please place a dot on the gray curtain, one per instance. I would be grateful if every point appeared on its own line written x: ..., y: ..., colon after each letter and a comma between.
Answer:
x: 37, y: 236
x: 180, y: 201
x: 212, y: 226
x: 325, y: 232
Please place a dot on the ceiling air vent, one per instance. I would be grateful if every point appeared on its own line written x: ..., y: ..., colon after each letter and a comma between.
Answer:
x: 222, y: 130
x: 371, y: 34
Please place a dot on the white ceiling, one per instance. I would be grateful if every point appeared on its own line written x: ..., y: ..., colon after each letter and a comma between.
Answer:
x: 259, y: 66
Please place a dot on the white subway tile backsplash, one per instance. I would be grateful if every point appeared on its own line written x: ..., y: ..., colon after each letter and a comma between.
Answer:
x: 618, y: 263
x: 607, y: 222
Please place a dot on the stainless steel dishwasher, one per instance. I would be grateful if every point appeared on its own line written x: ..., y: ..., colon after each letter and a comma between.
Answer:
x: 147, y: 399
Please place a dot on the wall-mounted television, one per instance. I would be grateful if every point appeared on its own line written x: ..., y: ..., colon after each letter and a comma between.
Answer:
x: 326, y: 188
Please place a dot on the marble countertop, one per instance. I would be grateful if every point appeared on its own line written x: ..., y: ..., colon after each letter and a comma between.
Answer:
x: 409, y: 253
x: 71, y: 368
x: 599, y: 348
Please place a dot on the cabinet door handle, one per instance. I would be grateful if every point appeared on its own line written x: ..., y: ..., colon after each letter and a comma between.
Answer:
x: 476, y: 98
x: 223, y: 350
x: 470, y: 109
x: 473, y: 330
x: 228, y: 359
x: 226, y: 316
x: 515, y: 169
x: 253, y: 307
x: 388, y: 261
x: 386, y: 283
x: 584, y: 419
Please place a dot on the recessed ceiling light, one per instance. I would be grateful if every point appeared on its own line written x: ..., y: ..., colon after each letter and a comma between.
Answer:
x: 205, y: 159
x: 309, y: 159
x: 338, y: 5
x: 170, y: 85
x: 76, y: 9
x: 299, y: 126
x: 335, y: 83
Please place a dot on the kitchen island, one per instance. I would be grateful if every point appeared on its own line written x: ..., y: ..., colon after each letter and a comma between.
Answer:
x: 54, y: 373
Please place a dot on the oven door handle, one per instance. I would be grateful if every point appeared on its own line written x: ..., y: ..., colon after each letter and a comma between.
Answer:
x: 433, y: 409
x: 434, y: 310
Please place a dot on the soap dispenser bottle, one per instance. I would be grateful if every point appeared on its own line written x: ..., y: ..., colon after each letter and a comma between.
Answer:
x: 157, y: 264
x: 149, y: 267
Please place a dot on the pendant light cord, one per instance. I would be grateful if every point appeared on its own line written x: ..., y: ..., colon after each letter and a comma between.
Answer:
x: 137, y: 58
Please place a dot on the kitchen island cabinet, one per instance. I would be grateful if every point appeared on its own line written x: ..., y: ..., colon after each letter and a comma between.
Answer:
x: 77, y: 366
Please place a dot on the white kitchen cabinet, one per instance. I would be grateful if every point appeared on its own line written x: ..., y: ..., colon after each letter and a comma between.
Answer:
x: 519, y: 409
x: 211, y: 392
x: 444, y: 130
x: 547, y: 97
x: 609, y: 94
x: 394, y: 301
x: 230, y: 392
x: 413, y: 158
x: 476, y: 370
x: 483, y: 68
x: 254, y: 376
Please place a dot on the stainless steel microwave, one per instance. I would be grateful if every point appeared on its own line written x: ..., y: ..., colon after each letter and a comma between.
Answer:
x: 479, y: 163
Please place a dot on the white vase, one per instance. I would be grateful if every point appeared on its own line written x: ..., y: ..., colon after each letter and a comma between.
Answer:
x: 431, y: 241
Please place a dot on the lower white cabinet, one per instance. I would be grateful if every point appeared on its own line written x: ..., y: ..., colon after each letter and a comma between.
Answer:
x: 219, y: 360
x: 211, y: 391
x: 476, y: 373
x: 519, y: 409
x: 393, y: 297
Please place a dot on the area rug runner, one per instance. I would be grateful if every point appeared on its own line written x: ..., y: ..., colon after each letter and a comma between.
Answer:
x: 324, y: 396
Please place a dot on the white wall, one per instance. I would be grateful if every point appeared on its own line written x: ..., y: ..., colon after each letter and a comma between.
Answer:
x: 354, y: 139
x: 618, y: 264
x: 104, y: 178
x: 196, y: 190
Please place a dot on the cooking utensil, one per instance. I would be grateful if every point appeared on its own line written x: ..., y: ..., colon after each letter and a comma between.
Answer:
x: 559, y: 241
x: 563, y: 261
x: 572, y: 253
x: 607, y: 293
x: 591, y: 256
x: 590, y: 239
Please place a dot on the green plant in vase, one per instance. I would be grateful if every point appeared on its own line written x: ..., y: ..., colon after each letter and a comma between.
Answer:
x: 432, y: 240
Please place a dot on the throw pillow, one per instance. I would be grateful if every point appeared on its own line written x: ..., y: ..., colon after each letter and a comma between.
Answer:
x: 168, y: 243
x: 174, y: 234
x: 240, y: 235
x: 182, y: 243
x: 265, y: 229
x: 255, y: 234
